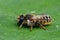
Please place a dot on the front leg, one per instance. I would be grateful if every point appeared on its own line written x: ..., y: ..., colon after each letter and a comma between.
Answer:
x: 22, y: 24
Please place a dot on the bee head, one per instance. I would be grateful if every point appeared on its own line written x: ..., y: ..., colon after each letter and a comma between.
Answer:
x: 21, y: 19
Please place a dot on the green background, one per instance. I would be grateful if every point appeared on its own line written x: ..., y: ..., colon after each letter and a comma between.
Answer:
x: 10, y: 9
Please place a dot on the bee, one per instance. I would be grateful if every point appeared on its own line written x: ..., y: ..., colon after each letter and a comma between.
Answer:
x: 32, y: 20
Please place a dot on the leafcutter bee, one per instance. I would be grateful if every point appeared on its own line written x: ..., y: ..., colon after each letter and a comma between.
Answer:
x: 32, y: 20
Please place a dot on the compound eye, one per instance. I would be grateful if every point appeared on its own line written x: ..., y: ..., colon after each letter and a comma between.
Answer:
x: 22, y: 18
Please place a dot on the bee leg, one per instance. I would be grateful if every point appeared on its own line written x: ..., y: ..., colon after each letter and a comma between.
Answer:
x: 31, y: 28
x: 42, y: 27
x: 22, y: 24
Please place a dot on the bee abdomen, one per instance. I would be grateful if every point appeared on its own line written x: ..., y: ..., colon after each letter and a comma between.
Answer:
x: 46, y: 20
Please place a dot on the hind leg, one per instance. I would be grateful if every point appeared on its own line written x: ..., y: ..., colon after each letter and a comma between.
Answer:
x: 41, y: 26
